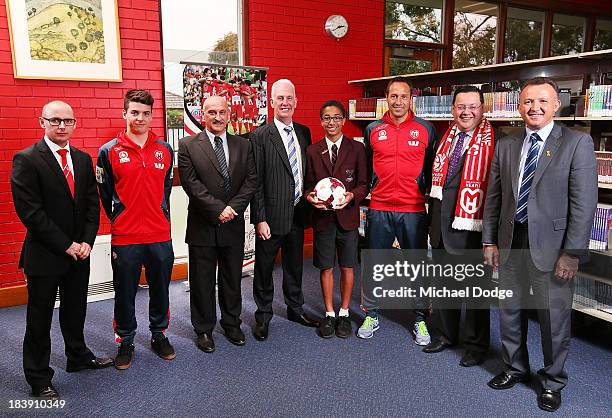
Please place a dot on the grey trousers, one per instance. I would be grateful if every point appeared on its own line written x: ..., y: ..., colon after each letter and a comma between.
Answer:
x: 552, y: 300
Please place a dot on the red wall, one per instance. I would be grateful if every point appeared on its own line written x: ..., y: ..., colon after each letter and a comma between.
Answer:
x: 289, y: 38
x: 97, y: 106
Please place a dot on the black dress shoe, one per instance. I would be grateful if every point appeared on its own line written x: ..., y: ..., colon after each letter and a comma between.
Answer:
x: 46, y: 392
x: 235, y: 336
x: 472, y: 358
x: 506, y: 381
x: 260, y: 332
x: 302, y: 319
x: 549, y: 400
x: 206, y: 342
x: 436, y: 346
x: 95, y: 363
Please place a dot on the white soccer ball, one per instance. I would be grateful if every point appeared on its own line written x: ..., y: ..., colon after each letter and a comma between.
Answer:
x: 330, y: 191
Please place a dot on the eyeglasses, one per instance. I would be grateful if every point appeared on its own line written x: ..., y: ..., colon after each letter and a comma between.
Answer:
x: 471, y: 108
x: 58, y: 121
x: 336, y: 118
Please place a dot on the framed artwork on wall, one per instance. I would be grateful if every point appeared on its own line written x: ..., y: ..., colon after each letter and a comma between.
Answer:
x: 65, y: 39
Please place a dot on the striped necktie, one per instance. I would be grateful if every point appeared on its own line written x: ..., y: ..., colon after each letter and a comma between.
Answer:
x: 528, y: 173
x: 334, y: 155
x: 220, y: 153
x: 293, y: 163
x: 66, y: 169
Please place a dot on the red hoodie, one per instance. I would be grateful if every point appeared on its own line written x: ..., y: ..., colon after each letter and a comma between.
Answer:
x: 400, y: 159
x: 134, y: 185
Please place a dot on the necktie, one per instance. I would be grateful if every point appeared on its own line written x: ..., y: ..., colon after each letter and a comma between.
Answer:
x: 456, y: 155
x: 66, y: 169
x: 528, y: 172
x: 293, y: 163
x: 222, y: 163
x: 334, y: 155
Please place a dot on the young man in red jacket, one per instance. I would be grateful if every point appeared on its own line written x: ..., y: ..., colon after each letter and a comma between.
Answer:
x: 336, y: 231
x: 134, y: 175
x: 400, y: 149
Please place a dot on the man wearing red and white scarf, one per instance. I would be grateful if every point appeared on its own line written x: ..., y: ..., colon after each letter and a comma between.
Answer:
x: 459, y: 183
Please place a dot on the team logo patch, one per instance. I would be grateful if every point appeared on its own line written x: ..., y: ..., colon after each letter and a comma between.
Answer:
x: 124, y: 157
x: 159, y: 166
x: 414, y: 133
x: 413, y: 143
x: 99, y: 174
x: 159, y: 155
x: 382, y: 135
x: 471, y: 200
x: 349, y: 176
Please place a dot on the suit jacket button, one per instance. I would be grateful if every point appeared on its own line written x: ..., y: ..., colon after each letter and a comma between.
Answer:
x: 511, y: 222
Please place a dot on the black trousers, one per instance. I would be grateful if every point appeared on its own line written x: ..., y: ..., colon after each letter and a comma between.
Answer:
x: 292, y: 248
x: 42, y: 291
x: 476, y: 332
x: 553, y: 302
x: 127, y: 262
x: 202, y: 261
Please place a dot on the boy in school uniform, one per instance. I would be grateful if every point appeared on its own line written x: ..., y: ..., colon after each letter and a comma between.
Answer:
x: 336, y: 231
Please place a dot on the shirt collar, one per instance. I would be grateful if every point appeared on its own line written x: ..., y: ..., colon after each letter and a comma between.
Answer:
x: 54, y: 147
x: 281, y: 126
x: 211, y: 136
x: 543, y: 133
x: 330, y: 143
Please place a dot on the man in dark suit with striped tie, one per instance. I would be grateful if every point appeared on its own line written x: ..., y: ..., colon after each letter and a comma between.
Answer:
x: 279, y: 210
x: 54, y: 192
x: 218, y: 174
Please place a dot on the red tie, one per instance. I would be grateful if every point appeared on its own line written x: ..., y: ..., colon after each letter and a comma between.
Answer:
x: 66, y: 169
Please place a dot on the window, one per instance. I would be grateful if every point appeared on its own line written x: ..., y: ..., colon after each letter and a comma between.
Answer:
x: 414, y: 20
x: 523, y: 34
x: 603, y: 35
x: 567, y: 35
x: 475, y: 29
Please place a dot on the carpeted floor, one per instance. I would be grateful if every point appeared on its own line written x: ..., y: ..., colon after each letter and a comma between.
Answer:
x: 296, y: 373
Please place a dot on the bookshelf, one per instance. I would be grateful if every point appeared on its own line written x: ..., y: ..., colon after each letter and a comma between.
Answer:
x: 582, y: 71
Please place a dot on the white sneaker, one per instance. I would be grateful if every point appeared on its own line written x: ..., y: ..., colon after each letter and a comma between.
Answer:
x: 421, y: 335
x: 366, y: 330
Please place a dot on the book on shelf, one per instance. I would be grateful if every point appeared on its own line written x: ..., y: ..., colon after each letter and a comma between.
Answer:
x: 598, y: 101
x: 602, y: 224
x: 593, y: 294
x: 604, y: 166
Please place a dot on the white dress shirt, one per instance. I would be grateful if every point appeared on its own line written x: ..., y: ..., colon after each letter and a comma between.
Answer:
x: 223, y: 137
x: 330, y: 143
x: 281, y: 130
x: 466, y: 141
x: 54, y: 147
x: 543, y: 134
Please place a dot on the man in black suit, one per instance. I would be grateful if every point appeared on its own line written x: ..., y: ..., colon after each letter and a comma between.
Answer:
x: 54, y: 192
x: 456, y: 235
x: 278, y: 209
x: 217, y: 172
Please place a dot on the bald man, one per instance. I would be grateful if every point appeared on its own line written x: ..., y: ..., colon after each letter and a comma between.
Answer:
x: 217, y: 172
x: 54, y: 192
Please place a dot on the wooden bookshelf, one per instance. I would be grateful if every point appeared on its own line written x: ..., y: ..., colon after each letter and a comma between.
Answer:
x: 604, y: 186
x: 594, y: 312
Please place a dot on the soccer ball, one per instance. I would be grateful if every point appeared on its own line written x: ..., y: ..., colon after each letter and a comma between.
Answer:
x: 330, y: 191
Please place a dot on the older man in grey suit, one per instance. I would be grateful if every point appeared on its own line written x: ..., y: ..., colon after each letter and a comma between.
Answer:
x: 540, y: 204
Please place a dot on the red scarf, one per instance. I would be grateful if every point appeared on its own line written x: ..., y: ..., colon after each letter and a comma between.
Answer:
x: 474, y: 175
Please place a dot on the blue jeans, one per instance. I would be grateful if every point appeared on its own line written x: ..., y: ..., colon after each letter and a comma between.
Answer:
x: 410, y: 229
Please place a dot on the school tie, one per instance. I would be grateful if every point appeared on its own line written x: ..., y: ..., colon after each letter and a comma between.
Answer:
x: 222, y: 163
x: 293, y: 163
x: 66, y: 169
x: 528, y: 173
x: 334, y: 155
x: 456, y: 155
